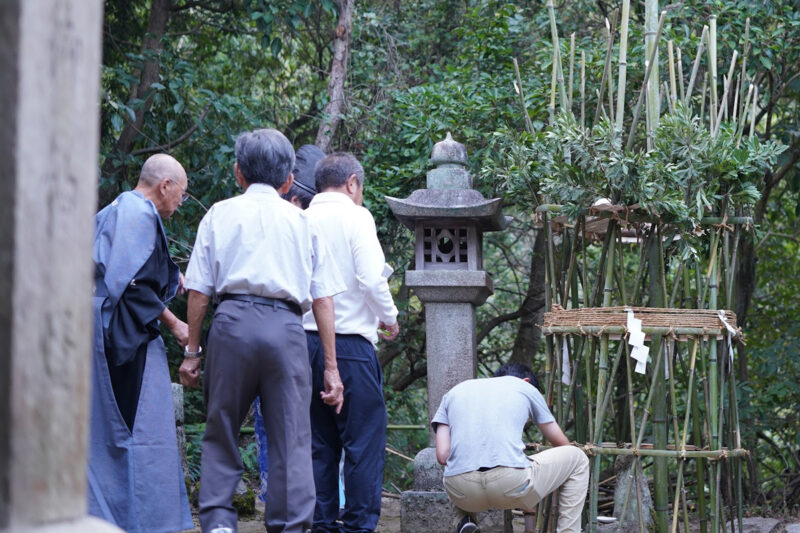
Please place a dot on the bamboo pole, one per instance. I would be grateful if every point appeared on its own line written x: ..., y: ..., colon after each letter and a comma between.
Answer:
x: 696, y: 66
x: 608, y: 287
x: 661, y: 472
x: 571, y: 69
x: 673, y: 89
x: 521, y: 95
x: 690, y: 387
x: 623, y: 66
x: 583, y: 91
x: 712, y: 67
x: 651, y: 38
x: 557, y: 54
x: 753, y: 113
x: 606, y: 71
x: 713, y: 455
x: 680, y: 75
x: 645, y: 82
x: 743, y: 75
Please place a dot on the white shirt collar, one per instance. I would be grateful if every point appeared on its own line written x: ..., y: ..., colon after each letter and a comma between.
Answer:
x: 331, y: 197
x: 258, y: 188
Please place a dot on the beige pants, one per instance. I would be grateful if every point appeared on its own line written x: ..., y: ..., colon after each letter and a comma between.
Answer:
x: 564, y: 467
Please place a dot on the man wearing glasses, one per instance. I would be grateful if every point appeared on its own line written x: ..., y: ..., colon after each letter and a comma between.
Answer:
x: 135, y: 477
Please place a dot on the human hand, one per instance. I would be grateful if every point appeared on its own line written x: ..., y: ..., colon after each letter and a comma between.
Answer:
x: 333, y: 394
x: 180, y: 330
x: 181, y: 284
x: 189, y: 372
x: 388, y: 333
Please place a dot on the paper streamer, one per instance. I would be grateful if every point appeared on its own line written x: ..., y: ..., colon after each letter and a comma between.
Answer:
x: 566, y: 370
x: 640, y: 352
x: 731, y: 334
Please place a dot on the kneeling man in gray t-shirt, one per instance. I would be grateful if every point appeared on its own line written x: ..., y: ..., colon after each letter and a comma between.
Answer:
x: 479, y: 427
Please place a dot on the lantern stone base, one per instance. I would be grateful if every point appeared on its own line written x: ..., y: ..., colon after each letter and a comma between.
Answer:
x: 427, y: 508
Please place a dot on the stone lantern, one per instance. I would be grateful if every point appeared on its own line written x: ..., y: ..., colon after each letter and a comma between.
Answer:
x: 449, y: 219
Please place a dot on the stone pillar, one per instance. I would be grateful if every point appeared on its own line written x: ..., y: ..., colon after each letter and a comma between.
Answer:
x: 50, y: 63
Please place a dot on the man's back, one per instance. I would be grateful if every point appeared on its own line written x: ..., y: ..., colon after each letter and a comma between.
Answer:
x: 349, y: 233
x: 486, y: 419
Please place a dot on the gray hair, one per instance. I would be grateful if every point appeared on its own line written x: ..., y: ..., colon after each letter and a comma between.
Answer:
x: 264, y: 156
x: 333, y: 171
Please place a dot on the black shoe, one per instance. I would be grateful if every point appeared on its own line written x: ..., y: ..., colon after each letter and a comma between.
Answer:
x: 466, y: 525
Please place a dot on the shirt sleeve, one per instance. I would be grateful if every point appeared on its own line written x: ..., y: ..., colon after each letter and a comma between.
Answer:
x: 370, y: 269
x: 441, y: 414
x: 540, y: 413
x: 200, y: 274
x: 326, y: 280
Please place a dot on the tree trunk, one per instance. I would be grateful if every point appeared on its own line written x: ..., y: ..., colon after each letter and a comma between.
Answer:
x: 529, y: 334
x: 151, y: 50
x: 331, y: 114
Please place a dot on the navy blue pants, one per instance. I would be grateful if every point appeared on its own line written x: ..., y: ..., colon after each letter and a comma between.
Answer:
x: 359, y: 430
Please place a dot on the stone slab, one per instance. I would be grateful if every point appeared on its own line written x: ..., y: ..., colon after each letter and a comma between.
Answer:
x: 428, y: 472
x: 431, y: 512
x: 754, y: 524
x: 451, y: 286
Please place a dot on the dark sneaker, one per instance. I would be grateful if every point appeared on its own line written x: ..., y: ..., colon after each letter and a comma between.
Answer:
x: 466, y: 525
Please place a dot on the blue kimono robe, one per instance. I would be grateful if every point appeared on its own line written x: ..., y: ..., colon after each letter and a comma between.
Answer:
x: 135, y: 476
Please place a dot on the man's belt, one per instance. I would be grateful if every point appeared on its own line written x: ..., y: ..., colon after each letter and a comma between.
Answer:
x: 263, y: 300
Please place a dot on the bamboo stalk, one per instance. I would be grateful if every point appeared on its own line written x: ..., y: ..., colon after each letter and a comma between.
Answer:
x: 623, y: 66
x: 743, y: 75
x: 645, y: 82
x: 740, y: 126
x: 680, y: 75
x: 606, y: 71
x: 571, y: 68
x: 712, y: 67
x: 557, y: 54
x: 521, y: 94
x: 696, y: 66
x: 690, y: 387
x: 673, y: 90
x: 651, y: 38
x: 753, y: 113
x: 583, y: 90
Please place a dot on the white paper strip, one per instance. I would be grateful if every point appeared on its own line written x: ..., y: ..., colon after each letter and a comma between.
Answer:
x: 566, y: 370
x: 640, y: 352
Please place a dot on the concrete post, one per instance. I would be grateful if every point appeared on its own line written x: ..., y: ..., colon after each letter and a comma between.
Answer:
x: 50, y: 60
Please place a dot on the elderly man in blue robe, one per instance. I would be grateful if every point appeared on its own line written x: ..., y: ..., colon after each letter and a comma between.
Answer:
x: 135, y: 475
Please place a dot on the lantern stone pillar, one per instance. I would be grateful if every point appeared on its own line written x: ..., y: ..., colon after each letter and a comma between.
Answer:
x: 50, y: 88
x: 448, y: 218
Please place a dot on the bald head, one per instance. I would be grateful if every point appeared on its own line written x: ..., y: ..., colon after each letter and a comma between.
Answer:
x: 163, y: 181
x: 158, y: 168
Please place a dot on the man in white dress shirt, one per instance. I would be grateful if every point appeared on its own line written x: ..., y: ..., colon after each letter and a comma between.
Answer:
x: 257, y: 254
x: 336, y: 216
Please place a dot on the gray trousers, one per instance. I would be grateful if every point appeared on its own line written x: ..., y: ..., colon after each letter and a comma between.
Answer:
x: 256, y: 349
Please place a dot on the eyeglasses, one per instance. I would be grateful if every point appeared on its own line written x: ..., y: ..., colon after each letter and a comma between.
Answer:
x: 184, y: 194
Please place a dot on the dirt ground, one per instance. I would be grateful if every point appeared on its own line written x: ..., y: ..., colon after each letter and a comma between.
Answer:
x: 389, y: 521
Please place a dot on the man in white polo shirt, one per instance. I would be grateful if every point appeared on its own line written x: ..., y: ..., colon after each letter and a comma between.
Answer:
x: 479, y: 428
x: 257, y: 254
x: 337, y: 218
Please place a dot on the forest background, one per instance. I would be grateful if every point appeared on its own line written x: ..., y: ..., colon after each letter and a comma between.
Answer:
x: 186, y: 76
